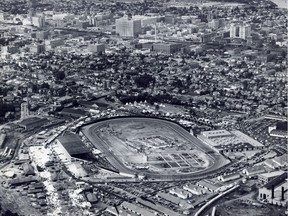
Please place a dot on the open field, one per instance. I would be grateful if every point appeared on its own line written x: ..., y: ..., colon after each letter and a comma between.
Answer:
x: 154, y: 147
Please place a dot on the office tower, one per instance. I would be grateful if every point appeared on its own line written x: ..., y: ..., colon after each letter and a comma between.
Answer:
x: 42, y: 35
x: 234, y: 30
x: 127, y: 27
x: 32, y: 9
x: 38, y: 21
x: 245, y: 31
x: 24, y: 110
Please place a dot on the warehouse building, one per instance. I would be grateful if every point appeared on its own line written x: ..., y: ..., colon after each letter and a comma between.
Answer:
x: 74, y: 113
x: 130, y: 207
x: 224, y: 141
x: 194, y: 189
x: 179, y: 192
x: 253, y: 171
x: 32, y: 123
x: 264, y: 178
x: 73, y: 148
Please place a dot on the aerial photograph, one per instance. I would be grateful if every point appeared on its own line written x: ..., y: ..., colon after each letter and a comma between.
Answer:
x: 143, y: 108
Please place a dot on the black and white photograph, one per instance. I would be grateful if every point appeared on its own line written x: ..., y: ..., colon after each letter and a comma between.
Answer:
x: 143, y: 108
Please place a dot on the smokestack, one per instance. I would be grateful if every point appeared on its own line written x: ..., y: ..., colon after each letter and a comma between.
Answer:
x: 155, y: 32
x: 282, y: 193
x: 272, y: 195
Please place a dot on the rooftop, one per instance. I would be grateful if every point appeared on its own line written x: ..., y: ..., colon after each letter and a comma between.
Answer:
x: 272, y: 174
x: 281, y: 160
x: 208, y: 184
x: 255, y: 168
x: 77, y: 112
x: 216, y: 133
x: 32, y: 121
x: 136, y: 209
x: 276, y: 181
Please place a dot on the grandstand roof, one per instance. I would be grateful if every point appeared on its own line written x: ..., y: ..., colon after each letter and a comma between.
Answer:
x: 73, y: 144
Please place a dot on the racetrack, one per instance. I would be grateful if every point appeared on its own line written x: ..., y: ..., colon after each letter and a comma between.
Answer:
x: 216, y: 160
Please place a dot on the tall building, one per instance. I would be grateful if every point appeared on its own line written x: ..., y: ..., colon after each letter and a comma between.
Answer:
x: 32, y: 9
x: 206, y: 37
x: 245, y: 31
x: 38, y: 21
x: 240, y: 31
x: 42, y: 35
x: 216, y: 23
x: 234, y: 30
x: 24, y: 110
x: 37, y: 48
x: 128, y: 27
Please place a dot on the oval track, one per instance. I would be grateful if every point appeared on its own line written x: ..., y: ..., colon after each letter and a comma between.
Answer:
x: 90, y: 131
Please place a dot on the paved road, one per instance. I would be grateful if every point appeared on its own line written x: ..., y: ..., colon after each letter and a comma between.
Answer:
x: 90, y: 132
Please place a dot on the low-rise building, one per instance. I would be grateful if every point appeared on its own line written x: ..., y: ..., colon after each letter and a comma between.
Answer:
x: 179, y: 192
x: 96, y: 48
x: 194, y: 189
x: 137, y: 209
x: 229, y: 177
x: 275, y: 191
x: 253, y: 171
x: 157, y: 207
x: 211, y: 186
x: 173, y: 199
x: 33, y: 123
x: 264, y: 178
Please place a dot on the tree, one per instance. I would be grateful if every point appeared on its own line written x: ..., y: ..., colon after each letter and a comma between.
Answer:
x: 157, y: 107
x: 59, y: 75
x: 143, y: 81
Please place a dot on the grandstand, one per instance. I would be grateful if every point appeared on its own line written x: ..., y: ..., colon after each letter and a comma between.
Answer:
x: 73, y: 148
